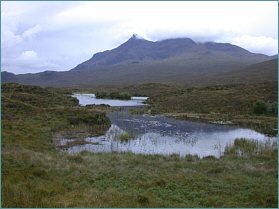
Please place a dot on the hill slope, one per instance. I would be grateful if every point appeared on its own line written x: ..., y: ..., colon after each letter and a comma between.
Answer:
x: 257, y: 73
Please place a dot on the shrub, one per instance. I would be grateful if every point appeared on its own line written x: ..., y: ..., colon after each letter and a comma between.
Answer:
x: 259, y: 107
x: 112, y: 95
x: 92, y: 119
x: 124, y: 96
x: 97, y: 94
x: 272, y: 107
x: 74, y: 100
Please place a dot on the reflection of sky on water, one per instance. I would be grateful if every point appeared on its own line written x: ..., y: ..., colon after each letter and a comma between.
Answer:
x: 86, y: 99
x: 147, y: 123
x: 160, y: 135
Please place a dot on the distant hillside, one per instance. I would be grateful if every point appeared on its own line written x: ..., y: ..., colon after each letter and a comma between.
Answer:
x: 257, y: 73
x: 141, y: 61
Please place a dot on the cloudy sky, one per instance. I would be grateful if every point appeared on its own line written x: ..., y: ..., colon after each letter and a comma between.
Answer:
x: 57, y: 35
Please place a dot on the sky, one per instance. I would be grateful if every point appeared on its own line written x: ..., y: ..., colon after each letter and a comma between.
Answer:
x: 39, y: 36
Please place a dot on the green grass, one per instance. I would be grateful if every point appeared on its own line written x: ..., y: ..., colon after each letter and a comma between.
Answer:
x: 35, y: 174
x: 29, y: 123
x: 37, y: 96
x: 32, y: 179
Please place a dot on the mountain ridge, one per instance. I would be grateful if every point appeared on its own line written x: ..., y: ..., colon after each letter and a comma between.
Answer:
x: 139, y: 61
x: 141, y: 50
x: 137, y: 48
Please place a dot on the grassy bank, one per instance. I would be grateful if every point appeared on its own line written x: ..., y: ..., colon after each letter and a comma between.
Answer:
x: 35, y: 174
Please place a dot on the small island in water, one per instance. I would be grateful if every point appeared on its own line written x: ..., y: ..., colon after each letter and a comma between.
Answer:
x: 112, y: 95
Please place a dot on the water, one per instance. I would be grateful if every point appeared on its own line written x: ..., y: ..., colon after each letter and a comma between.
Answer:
x: 162, y: 135
x: 86, y: 99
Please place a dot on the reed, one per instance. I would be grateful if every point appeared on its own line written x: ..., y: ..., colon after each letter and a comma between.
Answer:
x: 122, y: 136
x: 35, y: 174
x: 248, y: 148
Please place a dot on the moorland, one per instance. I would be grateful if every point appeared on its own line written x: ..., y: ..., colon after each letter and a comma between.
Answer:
x: 182, y: 80
x: 35, y: 173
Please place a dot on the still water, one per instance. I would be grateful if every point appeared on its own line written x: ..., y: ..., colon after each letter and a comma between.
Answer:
x: 85, y: 99
x: 162, y: 135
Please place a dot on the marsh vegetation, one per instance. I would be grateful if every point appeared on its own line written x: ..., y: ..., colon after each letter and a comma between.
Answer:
x: 232, y: 102
x: 34, y: 173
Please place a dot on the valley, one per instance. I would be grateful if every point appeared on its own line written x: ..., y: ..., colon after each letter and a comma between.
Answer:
x: 214, y: 104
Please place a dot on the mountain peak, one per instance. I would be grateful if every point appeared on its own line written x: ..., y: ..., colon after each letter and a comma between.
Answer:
x: 136, y: 36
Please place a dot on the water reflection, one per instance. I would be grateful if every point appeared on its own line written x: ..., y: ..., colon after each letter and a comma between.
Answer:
x: 161, y: 135
x: 158, y: 135
x: 86, y: 99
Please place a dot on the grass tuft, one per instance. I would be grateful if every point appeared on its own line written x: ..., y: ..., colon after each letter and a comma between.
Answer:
x: 35, y: 174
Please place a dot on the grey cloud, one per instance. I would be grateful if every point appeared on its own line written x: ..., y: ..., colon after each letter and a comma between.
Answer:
x: 29, y: 61
x: 200, y: 37
x: 61, y: 44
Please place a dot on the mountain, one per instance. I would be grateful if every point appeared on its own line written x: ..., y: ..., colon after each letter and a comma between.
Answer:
x: 137, y: 50
x: 8, y: 77
x: 141, y: 61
